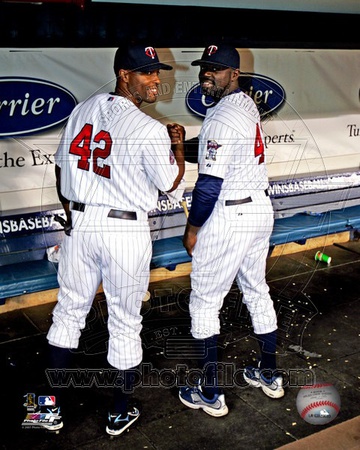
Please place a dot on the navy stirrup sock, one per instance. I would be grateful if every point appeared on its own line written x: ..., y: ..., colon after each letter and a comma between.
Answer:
x: 58, y: 358
x: 267, y: 344
x: 209, y: 363
x: 122, y: 393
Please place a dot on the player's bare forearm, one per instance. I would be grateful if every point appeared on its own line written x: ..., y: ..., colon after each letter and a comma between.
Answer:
x: 190, y: 238
x: 178, y: 150
x: 66, y: 206
x: 177, y: 136
x: 64, y: 201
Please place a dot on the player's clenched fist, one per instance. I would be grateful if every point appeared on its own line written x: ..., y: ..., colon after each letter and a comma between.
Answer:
x: 176, y: 133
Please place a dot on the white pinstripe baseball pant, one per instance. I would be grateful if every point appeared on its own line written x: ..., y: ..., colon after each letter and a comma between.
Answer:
x: 116, y: 252
x: 232, y: 244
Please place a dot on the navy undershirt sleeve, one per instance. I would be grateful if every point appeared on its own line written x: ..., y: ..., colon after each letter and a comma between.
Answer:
x: 205, y: 194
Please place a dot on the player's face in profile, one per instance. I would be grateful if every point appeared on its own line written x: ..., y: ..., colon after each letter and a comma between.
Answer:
x: 215, y: 80
x: 144, y: 86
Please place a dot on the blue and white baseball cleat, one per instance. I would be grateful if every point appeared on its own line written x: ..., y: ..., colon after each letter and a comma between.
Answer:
x: 195, y: 399
x: 272, y: 387
x: 118, y: 423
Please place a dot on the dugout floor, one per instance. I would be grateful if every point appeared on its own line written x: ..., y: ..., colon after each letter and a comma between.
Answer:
x: 318, y: 308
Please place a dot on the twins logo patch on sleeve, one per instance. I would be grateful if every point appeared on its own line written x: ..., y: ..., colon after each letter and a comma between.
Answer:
x: 212, y: 148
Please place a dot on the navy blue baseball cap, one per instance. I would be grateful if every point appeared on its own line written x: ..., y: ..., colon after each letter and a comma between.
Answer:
x: 222, y: 55
x: 139, y: 58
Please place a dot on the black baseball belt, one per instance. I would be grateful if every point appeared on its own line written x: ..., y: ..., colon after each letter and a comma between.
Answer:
x: 242, y: 200
x: 114, y: 213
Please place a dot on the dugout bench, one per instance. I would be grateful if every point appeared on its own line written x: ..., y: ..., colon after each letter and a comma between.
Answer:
x: 24, y: 240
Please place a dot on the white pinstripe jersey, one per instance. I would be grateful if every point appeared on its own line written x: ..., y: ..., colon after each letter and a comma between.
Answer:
x: 112, y: 154
x: 231, y: 146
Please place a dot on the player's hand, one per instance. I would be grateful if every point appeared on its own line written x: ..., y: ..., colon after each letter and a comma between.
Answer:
x: 176, y: 133
x: 189, y: 241
x: 190, y: 238
x: 67, y: 224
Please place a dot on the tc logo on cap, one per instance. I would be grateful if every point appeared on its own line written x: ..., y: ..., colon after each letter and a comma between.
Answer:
x: 212, y: 49
x: 150, y: 52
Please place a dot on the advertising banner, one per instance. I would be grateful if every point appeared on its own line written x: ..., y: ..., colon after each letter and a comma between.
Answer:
x: 308, y: 99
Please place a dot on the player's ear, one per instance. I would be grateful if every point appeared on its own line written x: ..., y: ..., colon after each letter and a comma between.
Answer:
x: 124, y: 75
x: 235, y: 74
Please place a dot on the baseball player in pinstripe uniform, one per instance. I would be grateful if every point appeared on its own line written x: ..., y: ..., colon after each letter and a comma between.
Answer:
x: 229, y: 226
x: 111, y: 163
